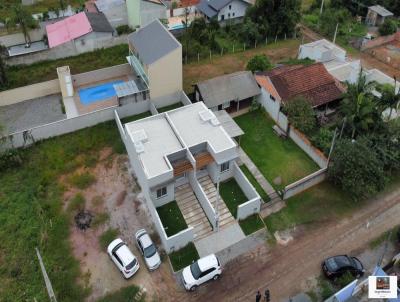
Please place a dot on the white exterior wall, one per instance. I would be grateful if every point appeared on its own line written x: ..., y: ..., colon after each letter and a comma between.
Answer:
x: 165, y: 75
x: 158, y: 202
x: 214, y: 169
x: 237, y: 7
x: 90, y: 41
x: 272, y: 107
x: 150, y: 11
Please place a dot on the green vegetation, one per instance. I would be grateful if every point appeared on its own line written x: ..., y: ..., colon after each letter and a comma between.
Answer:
x: 107, y: 237
x: 128, y: 293
x: 124, y: 29
x: 385, y: 236
x: 77, y: 203
x: 135, y: 117
x: 82, y: 180
x: 389, y: 27
x: 100, y: 219
x: 275, y: 157
x: 251, y: 224
x: 183, y: 257
x: 321, y: 202
x: 171, y: 218
x: 294, y: 61
x: 170, y: 107
x: 232, y: 194
x: 259, y: 63
x: 326, y: 288
x: 21, y: 75
x: 301, y: 114
x: 254, y: 182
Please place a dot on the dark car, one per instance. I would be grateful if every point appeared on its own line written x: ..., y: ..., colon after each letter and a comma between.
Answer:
x: 335, y: 267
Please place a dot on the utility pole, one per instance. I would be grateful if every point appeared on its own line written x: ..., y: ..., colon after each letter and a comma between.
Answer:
x: 49, y: 288
x: 334, y: 37
x: 332, y: 145
x: 216, y: 203
x: 322, y: 7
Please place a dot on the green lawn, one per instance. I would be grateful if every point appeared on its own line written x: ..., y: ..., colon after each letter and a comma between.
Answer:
x: 322, y: 202
x: 274, y: 156
x: 183, y: 257
x: 255, y: 183
x: 170, y: 107
x: 171, y: 218
x: 135, y: 117
x: 232, y: 194
x: 21, y: 75
x: 251, y: 224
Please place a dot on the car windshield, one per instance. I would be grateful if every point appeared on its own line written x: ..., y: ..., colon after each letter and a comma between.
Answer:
x: 132, y: 264
x: 195, y: 269
x: 150, y: 251
x: 331, y: 264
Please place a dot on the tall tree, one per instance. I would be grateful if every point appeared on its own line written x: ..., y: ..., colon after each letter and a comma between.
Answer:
x: 25, y: 20
x: 3, y: 74
x: 390, y: 97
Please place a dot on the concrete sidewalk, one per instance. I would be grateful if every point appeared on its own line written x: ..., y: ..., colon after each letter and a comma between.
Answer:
x: 267, y: 187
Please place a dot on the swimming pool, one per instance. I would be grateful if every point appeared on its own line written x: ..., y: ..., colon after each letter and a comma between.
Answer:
x: 97, y: 93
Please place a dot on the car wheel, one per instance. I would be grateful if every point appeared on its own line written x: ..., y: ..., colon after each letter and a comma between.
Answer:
x: 193, y: 288
x: 216, y: 277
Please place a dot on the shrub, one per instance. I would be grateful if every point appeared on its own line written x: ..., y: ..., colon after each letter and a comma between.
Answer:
x: 108, y: 236
x: 100, y: 219
x: 124, y: 29
x: 325, y: 288
x: 344, y: 280
x: 82, y: 180
x: 389, y: 27
x: 77, y: 203
x: 300, y: 114
x: 323, y: 139
x: 129, y: 293
x: 258, y: 63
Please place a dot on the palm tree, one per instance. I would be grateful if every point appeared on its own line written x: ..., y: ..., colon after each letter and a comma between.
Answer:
x: 3, y: 75
x: 25, y: 21
x: 390, y: 98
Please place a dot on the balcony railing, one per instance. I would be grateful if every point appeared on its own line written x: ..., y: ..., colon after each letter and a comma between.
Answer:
x: 137, y: 66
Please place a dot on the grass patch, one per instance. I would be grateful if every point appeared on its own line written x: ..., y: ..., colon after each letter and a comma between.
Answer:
x: 135, y: 117
x: 383, y: 237
x: 274, y: 156
x: 255, y: 183
x: 82, y: 180
x: 171, y: 218
x: 170, y: 107
x: 107, y: 237
x: 100, y: 219
x: 21, y: 75
x: 124, y: 294
x: 183, y: 257
x: 77, y: 203
x: 251, y: 224
x: 321, y: 202
x: 232, y: 194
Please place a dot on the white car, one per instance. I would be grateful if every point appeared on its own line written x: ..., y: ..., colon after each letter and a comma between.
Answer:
x: 123, y: 258
x: 148, y: 249
x: 201, y: 271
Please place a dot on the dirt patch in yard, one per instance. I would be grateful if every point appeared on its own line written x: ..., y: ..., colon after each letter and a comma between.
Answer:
x: 116, y: 193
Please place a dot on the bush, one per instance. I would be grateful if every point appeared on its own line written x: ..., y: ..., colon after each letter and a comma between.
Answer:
x: 300, y: 114
x: 82, y: 180
x: 124, y: 29
x: 77, y: 203
x: 108, y: 236
x: 100, y: 219
x: 323, y: 139
x: 344, y: 280
x: 124, y: 294
x: 259, y: 63
x: 326, y: 289
x: 389, y: 27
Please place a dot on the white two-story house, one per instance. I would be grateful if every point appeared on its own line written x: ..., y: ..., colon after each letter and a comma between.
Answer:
x: 223, y: 10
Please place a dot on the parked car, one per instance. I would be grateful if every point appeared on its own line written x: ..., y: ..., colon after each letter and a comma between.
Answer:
x: 336, y: 266
x: 201, y: 271
x: 123, y: 258
x: 148, y: 249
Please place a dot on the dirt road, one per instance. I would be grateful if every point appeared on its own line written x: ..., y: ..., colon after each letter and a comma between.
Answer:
x: 289, y: 270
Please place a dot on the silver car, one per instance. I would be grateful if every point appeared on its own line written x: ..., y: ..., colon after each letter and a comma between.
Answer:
x: 148, y: 249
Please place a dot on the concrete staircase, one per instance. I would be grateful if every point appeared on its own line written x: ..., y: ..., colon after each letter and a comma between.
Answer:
x: 192, y: 211
x: 225, y: 216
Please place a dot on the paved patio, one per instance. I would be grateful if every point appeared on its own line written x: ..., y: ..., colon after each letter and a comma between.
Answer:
x: 31, y: 113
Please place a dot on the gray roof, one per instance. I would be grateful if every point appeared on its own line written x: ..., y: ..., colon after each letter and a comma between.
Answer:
x: 99, y: 22
x: 218, y: 4
x: 228, y: 123
x: 235, y: 86
x: 153, y: 42
x: 380, y: 10
x: 206, y: 9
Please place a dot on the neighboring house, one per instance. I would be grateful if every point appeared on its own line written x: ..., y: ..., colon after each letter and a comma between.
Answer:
x: 156, y: 55
x: 82, y: 31
x: 231, y: 91
x: 322, y: 51
x: 143, y: 12
x: 223, y: 10
x: 180, y: 155
x: 114, y: 10
x: 282, y: 84
x: 376, y: 15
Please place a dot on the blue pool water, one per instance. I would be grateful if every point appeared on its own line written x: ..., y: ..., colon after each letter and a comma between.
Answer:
x: 97, y: 93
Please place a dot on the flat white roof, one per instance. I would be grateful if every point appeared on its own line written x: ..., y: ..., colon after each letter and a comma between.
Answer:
x: 164, y: 133
x: 323, y: 45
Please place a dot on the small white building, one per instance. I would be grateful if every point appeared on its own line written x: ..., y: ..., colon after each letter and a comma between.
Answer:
x: 223, y: 10
x: 377, y: 15
x: 179, y: 156
x: 156, y: 55
x: 322, y: 51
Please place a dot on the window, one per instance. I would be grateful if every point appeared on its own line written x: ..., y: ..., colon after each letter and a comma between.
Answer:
x: 161, y: 192
x: 230, y: 6
x: 229, y: 15
x: 225, y: 167
x: 226, y: 105
x: 272, y: 98
x: 222, y: 17
x: 233, y: 14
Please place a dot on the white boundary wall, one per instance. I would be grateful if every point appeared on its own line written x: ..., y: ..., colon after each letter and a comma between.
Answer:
x: 252, y: 206
x: 305, y: 183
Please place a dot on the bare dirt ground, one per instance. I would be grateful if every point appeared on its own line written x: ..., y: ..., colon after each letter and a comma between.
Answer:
x: 117, y: 193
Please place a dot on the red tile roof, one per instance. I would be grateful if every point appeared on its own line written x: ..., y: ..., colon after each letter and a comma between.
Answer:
x: 187, y: 3
x: 313, y: 82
